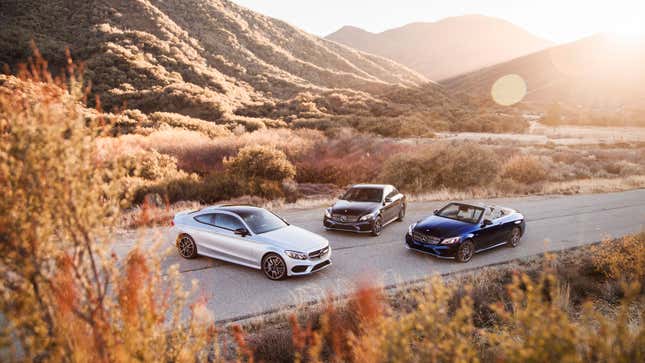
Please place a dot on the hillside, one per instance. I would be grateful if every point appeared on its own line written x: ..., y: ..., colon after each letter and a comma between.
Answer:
x: 600, y: 74
x: 448, y: 47
x: 209, y: 59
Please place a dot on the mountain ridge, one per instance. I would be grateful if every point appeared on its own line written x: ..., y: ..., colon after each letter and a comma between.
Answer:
x: 203, y: 58
x: 448, y: 47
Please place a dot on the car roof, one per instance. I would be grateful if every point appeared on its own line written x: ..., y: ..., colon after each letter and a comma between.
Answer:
x: 237, y: 209
x: 380, y: 186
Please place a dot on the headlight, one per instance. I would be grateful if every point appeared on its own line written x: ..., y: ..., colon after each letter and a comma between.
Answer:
x: 451, y: 241
x: 296, y: 255
x: 411, y: 228
x: 368, y: 217
x: 328, y: 212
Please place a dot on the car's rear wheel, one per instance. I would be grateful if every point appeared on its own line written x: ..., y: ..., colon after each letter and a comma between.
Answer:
x: 186, y: 246
x: 401, y: 213
x: 274, y: 267
x: 516, y: 235
x: 466, y: 251
x: 377, y: 226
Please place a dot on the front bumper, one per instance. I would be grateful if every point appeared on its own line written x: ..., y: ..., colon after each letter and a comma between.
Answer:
x: 441, y: 251
x: 357, y: 227
x: 306, y: 267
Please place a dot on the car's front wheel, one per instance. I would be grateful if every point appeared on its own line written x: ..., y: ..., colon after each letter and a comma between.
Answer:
x: 466, y: 251
x: 186, y: 246
x: 377, y: 226
x: 516, y: 235
x: 274, y: 267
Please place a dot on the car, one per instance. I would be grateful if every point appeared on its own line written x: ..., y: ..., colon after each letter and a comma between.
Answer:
x: 460, y: 230
x: 252, y: 237
x: 366, y: 208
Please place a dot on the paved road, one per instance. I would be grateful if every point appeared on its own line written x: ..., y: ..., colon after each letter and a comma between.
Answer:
x: 553, y: 223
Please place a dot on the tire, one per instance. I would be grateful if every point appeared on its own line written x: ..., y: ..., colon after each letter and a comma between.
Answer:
x: 377, y: 226
x: 514, y: 239
x: 465, y: 252
x: 186, y: 246
x: 274, y: 267
x: 401, y: 213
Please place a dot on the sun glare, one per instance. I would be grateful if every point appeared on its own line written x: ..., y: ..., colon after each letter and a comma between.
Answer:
x: 629, y: 30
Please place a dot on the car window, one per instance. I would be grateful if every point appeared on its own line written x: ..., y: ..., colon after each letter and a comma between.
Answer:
x: 228, y: 221
x: 374, y: 195
x: 262, y: 221
x: 393, y: 194
x: 461, y: 212
x: 206, y: 218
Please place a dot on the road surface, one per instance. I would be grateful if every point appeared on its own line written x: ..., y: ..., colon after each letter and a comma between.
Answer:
x: 553, y: 223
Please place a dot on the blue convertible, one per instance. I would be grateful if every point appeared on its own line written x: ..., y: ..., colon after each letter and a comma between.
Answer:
x: 459, y: 230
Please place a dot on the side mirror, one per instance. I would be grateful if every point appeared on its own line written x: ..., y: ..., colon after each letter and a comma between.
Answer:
x: 435, y: 211
x: 487, y: 222
x: 242, y: 232
x: 388, y: 200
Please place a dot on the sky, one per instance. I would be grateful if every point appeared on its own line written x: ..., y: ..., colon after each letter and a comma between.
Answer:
x: 556, y: 20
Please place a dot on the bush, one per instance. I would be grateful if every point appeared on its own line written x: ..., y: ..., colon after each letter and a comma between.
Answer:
x: 524, y: 169
x: 260, y: 162
x: 261, y: 170
x: 451, y: 165
x: 180, y: 121
x: 623, y: 260
x: 151, y: 165
x: 66, y: 296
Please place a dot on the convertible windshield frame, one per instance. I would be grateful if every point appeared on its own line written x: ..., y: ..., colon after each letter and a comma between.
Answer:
x: 245, y: 215
x: 471, y: 221
x: 355, y: 190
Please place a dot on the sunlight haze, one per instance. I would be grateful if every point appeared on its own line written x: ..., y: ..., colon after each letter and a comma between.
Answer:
x: 559, y: 21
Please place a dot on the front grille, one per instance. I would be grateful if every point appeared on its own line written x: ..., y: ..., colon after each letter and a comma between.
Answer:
x: 425, y: 238
x: 319, y: 253
x: 344, y: 218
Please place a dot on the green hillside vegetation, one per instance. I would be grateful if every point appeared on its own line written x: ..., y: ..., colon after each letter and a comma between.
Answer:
x: 215, y: 61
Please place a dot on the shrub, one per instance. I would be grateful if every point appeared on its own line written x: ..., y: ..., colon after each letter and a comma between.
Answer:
x: 260, y: 162
x: 185, y: 122
x: 524, y: 169
x: 261, y: 170
x: 624, y: 259
x: 452, y: 165
x: 65, y: 295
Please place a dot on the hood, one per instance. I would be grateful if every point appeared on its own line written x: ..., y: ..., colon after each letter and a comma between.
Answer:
x: 294, y: 238
x: 443, y: 227
x: 347, y: 208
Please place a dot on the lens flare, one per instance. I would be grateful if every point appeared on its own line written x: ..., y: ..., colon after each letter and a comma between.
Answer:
x: 509, y: 90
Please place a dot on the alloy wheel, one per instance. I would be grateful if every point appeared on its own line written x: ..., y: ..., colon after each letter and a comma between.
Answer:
x: 377, y: 226
x: 274, y: 267
x: 465, y: 252
x: 515, y: 237
x: 186, y: 247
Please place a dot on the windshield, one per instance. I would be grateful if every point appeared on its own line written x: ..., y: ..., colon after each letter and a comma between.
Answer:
x: 461, y: 212
x: 374, y: 195
x: 262, y: 221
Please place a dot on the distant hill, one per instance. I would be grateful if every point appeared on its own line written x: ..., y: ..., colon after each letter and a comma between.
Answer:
x: 601, y: 72
x: 203, y: 58
x: 448, y: 47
